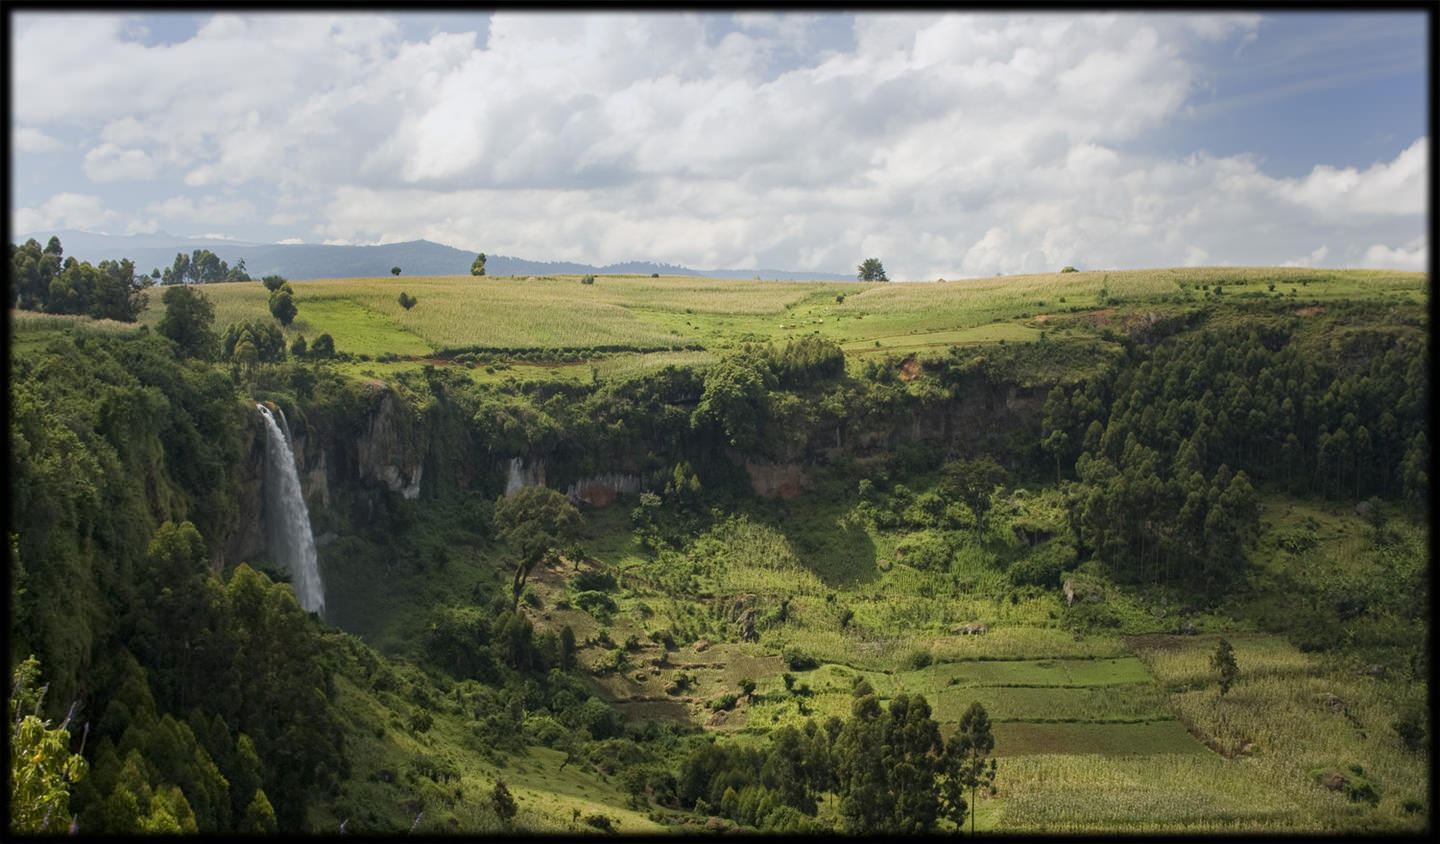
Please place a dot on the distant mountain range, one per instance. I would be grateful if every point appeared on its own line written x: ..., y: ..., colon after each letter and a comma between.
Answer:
x: 301, y: 261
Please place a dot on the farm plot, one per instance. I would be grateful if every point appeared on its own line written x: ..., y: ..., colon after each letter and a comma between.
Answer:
x: 1167, y: 792
x: 1043, y: 672
x: 1105, y: 704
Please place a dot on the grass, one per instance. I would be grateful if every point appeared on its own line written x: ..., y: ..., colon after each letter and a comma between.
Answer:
x: 657, y: 318
x: 1079, y: 739
x: 1043, y: 672
x: 1183, y: 792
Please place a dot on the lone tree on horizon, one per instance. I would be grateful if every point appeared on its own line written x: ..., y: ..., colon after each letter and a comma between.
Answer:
x: 871, y: 269
x: 478, y: 268
x: 394, y: 270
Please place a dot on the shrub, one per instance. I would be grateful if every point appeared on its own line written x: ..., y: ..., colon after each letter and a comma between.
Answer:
x: 593, y: 581
x: 919, y: 660
x: 273, y: 282
x: 1044, y: 567
x: 797, y: 661
x: 589, y: 279
x: 595, y: 603
x: 282, y: 306
x: 725, y: 701
x: 1068, y: 270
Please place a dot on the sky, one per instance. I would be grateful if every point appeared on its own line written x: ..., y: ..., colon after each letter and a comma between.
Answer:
x: 948, y: 145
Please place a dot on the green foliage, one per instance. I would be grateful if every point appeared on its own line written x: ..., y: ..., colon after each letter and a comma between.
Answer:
x: 535, y: 522
x: 871, y: 269
x: 969, y: 763
x: 1068, y: 269
x: 500, y: 799
x: 1223, y: 661
x: 265, y: 342
x: 407, y: 301
x: 188, y: 322
x: 736, y: 398
x: 973, y: 483
x: 282, y: 305
x: 589, y: 279
x: 39, y: 281
x: 395, y: 271
x: 259, y: 818
x: 477, y: 267
x: 202, y: 267
x: 42, y: 768
x: 1045, y: 566
x: 273, y: 282
x: 323, y: 347
x: 598, y: 604
x: 593, y: 580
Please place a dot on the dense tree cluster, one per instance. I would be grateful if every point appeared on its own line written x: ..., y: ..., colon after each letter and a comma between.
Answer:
x: 1169, y: 446
x: 44, y: 280
x: 253, y: 341
x: 887, y: 767
x: 208, y: 699
x: 202, y: 267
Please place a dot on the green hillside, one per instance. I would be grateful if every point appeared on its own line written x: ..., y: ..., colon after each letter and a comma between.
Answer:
x: 809, y: 526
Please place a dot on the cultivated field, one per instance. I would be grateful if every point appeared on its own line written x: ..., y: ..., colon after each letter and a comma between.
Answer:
x: 632, y: 323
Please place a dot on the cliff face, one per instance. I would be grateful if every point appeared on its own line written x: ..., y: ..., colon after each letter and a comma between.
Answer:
x: 350, y: 460
x: 343, y: 464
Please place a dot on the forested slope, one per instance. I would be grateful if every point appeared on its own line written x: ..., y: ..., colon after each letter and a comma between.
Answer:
x: 801, y: 513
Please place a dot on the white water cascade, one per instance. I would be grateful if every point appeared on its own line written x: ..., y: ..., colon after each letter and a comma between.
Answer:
x: 287, y: 519
x: 518, y: 476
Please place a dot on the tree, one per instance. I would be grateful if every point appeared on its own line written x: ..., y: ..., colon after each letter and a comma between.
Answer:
x: 502, y: 802
x: 323, y: 347
x: 187, y: 322
x: 265, y: 337
x: 973, y: 482
x: 736, y: 397
x: 871, y: 269
x: 407, y: 301
x: 297, y: 348
x: 394, y: 270
x: 535, y: 522
x: 273, y: 282
x: 259, y: 816
x: 1068, y: 270
x: 478, y: 267
x: 282, y: 306
x: 1223, y: 661
x: 967, y: 754
x: 41, y: 764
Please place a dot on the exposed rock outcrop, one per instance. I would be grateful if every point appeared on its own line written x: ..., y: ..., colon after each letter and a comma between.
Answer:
x: 770, y: 480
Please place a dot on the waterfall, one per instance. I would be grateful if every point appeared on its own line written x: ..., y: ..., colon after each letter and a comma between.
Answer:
x: 518, y: 476
x: 286, y: 517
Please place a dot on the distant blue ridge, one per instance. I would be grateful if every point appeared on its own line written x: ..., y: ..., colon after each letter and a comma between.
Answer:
x: 302, y: 261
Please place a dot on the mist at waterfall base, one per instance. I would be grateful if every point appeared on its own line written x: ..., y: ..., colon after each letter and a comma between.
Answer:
x: 287, y: 521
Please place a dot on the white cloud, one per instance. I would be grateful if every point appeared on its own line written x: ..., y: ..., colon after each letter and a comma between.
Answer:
x: 1414, y: 255
x: 948, y: 144
x: 1316, y: 258
x: 28, y: 139
x: 211, y: 209
x: 1399, y: 187
x: 290, y: 241
x: 63, y: 211
x: 110, y: 163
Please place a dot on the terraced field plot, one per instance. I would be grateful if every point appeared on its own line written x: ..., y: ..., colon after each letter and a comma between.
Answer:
x: 1043, y: 672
